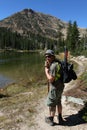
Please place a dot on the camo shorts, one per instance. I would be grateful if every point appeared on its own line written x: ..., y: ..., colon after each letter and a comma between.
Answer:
x: 54, y: 96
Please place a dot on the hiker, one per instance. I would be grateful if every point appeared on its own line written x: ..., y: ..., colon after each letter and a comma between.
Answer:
x: 56, y: 86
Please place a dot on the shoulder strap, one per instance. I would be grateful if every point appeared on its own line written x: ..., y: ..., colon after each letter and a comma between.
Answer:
x: 57, y: 60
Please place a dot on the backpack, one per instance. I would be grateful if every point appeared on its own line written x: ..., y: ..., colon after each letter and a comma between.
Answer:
x: 68, y: 72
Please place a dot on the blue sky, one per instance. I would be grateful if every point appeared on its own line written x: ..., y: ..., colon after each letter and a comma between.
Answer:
x: 66, y: 10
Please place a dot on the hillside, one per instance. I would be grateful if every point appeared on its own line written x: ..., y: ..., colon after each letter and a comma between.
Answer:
x: 28, y: 20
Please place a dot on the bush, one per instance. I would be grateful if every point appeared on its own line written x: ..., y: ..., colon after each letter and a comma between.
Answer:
x: 83, y: 112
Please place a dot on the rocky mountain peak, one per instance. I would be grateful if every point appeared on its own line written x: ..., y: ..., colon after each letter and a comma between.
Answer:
x: 29, y: 20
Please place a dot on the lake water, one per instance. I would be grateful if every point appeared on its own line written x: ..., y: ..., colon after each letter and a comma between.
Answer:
x: 24, y: 67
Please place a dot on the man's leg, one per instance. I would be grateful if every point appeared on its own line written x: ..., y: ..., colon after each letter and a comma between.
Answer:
x: 52, y: 111
x: 50, y: 119
x: 59, y: 110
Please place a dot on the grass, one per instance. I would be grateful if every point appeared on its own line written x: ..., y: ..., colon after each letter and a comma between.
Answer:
x: 18, y: 104
x: 83, y: 111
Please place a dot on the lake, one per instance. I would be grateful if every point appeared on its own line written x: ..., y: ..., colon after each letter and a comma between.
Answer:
x: 21, y: 67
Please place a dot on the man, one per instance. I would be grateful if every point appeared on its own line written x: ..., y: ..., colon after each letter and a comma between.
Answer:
x: 54, y: 75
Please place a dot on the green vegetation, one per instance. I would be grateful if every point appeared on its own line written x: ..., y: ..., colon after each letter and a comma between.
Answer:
x: 83, y: 111
x: 74, y: 42
x: 31, y: 41
x: 12, y: 40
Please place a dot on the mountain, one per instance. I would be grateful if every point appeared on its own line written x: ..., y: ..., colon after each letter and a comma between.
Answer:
x: 28, y: 20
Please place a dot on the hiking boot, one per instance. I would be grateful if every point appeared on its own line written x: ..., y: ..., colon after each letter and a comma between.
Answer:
x: 61, y: 121
x: 49, y: 120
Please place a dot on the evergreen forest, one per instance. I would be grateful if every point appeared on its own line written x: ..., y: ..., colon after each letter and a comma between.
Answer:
x: 76, y: 44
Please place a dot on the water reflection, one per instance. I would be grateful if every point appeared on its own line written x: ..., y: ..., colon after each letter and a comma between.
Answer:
x: 4, y: 81
x: 20, y: 66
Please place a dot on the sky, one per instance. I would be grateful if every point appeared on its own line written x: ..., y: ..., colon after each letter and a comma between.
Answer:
x: 65, y: 10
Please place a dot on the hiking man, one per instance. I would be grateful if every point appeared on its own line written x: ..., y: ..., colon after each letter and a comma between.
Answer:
x: 54, y: 77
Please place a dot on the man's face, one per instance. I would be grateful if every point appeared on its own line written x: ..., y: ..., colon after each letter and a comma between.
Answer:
x: 49, y: 58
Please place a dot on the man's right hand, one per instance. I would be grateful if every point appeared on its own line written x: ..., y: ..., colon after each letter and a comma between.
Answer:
x: 47, y: 64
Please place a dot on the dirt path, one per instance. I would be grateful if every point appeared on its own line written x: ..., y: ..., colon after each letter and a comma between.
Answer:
x: 70, y: 111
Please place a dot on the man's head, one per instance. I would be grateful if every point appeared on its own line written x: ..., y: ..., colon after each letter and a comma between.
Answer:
x: 50, y: 56
x: 49, y: 52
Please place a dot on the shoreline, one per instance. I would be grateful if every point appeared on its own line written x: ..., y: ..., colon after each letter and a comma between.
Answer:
x: 5, y: 81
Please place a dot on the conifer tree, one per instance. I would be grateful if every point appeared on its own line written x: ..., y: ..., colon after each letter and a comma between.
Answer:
x: 73, y: 39
x: 69, y: 35
x: 75, y: 36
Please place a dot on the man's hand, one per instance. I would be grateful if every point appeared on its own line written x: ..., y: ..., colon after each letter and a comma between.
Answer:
x: 47, y: 64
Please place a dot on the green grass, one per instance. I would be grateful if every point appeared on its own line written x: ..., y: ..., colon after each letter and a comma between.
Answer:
x: 83, y: 111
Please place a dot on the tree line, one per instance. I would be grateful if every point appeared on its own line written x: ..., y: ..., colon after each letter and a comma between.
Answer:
x: 13, y: 40
x: 75, y: 43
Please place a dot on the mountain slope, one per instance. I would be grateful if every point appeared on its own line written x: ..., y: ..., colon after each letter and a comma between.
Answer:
x: 28, y: 20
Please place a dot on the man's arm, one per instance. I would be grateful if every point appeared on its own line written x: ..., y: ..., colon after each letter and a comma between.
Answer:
x: 48, y: 75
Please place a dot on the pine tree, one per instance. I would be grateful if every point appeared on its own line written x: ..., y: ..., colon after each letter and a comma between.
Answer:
x: 73, y: 39
x: 69, y: 35
x: 75, y: 36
